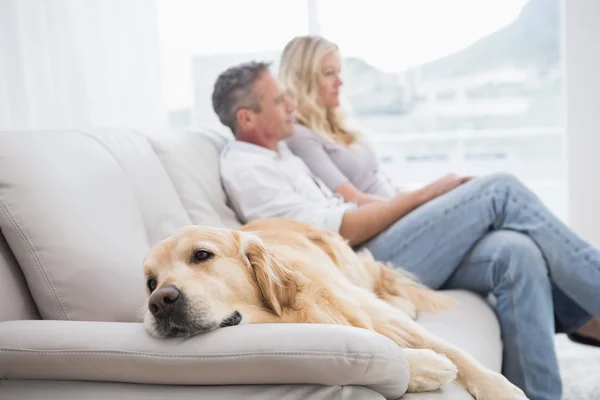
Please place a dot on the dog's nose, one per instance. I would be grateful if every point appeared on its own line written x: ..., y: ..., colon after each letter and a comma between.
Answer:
x: 163, y: 300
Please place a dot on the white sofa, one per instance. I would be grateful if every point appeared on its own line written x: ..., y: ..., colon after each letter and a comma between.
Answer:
x: 78, y: 212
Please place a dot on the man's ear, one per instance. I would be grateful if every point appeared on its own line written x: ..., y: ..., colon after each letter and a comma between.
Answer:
x: 277, y: 285
x: 245, y: 119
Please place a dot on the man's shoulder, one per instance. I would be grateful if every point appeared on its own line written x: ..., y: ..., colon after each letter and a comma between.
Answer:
x: 237, y: 163
x: 232, y: 153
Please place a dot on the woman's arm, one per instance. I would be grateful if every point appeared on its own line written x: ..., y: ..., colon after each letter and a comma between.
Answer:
x: 306, y: 145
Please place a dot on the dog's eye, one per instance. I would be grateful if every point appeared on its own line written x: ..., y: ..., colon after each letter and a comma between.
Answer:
x: 201, y: 255
x: 151, y: 283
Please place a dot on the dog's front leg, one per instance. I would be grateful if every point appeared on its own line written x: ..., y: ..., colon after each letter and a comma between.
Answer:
x: 480, y: 382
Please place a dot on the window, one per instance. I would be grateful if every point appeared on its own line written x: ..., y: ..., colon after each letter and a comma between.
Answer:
x: 467, y: 86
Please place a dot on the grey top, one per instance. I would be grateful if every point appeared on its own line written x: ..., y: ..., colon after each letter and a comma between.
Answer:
x: 337, y: 164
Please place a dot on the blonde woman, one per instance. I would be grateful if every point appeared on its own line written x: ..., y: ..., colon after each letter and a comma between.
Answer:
x: 430, y: 240
x: 338, y: 155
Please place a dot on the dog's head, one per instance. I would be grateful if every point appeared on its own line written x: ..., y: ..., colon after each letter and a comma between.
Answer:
x: 203, y: 278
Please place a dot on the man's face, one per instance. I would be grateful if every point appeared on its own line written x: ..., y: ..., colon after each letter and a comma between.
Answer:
x: 275, y: 121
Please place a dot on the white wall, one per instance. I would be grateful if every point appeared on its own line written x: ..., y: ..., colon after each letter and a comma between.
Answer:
x: 582, y: 64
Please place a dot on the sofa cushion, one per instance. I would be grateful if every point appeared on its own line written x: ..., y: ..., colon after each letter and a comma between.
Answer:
x: 64, y: 390
x: 245, y: 354
x: 191, y: 158
x: 79, y: 211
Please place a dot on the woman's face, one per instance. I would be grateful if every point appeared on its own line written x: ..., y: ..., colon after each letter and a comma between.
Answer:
x: 330, y: 82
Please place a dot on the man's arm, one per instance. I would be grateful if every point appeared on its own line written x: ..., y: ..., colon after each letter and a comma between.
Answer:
x: 363, y: 223
x: 349, y: 192
x: 259, y: 191
x: 367, y: 221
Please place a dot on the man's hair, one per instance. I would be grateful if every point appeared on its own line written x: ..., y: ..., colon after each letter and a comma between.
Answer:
x: 234, y: 90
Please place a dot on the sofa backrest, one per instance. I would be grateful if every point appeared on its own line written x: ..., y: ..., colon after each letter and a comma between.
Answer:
x: 80, y: 209
x: 191, y: 159
x: 16, y: 300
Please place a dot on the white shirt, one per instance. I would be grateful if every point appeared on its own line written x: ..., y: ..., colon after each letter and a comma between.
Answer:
x: 262, y: 183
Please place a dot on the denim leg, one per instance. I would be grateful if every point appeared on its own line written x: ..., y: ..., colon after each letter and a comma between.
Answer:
x: 433, y: 240
x: 509, y: 265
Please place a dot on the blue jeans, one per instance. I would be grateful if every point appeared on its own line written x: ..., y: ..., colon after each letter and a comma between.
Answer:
x: 492, y: 235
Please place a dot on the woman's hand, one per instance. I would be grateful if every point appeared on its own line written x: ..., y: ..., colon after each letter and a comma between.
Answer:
x: 442, y: 186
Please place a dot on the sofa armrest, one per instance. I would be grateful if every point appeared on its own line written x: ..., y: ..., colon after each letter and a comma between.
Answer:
x: 244, y: 354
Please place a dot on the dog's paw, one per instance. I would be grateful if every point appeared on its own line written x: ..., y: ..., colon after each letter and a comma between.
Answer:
x: 428, y: 370
x: 495, y: 386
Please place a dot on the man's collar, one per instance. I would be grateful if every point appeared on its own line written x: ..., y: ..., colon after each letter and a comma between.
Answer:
x: 253, y: 148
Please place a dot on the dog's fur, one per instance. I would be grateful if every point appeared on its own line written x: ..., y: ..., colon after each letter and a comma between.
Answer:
x: 277, y: 270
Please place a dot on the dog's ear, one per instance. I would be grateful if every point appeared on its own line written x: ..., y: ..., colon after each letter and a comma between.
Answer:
x: 276, y: 283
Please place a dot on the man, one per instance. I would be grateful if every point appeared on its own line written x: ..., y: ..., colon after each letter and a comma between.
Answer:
x: 490, y: 235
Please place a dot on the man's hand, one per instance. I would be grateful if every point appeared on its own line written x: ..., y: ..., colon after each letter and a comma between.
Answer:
x: 443, y: 186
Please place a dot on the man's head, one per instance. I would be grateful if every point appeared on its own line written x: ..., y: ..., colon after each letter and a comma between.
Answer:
x: 249, y: 100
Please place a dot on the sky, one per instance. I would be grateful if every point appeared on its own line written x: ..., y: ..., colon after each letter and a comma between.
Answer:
x: 389, y: 34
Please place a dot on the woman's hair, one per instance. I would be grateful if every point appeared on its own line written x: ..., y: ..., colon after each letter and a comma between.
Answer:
x: 300, y: 72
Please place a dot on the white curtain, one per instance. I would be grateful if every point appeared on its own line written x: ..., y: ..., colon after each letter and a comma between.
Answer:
x: 79, y: 64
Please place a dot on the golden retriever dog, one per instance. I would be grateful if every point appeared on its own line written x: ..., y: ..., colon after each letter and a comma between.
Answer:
x: 281, y: 271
